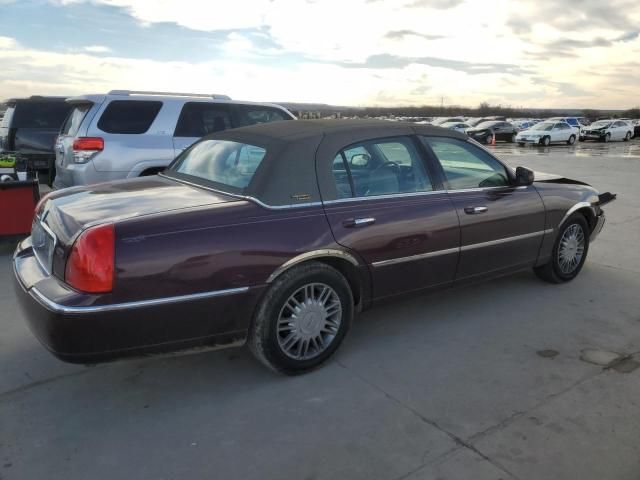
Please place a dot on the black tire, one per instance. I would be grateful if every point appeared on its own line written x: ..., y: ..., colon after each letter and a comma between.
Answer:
x: 572, y: 140
x: 545, y: 141
x: 551, y: 272
x: 627, y: 137
x: 521, y: 144
x: 263, y: 334
x: 581, y: 139
x: 488, y: 140
x: 606, y: 138
x: 513, y: 137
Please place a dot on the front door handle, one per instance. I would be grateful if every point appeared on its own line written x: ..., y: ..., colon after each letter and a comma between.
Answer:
x: 358, y: 222
x: 474, y: 210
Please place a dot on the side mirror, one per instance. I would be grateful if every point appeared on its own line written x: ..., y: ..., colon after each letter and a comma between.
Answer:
x: 524, y: 176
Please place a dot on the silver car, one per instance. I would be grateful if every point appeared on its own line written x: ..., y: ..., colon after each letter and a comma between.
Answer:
x: 126, y: 134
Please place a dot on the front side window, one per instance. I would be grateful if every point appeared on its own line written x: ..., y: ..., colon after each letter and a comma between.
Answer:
x: 221, y: 162
x: 129, y: 116
x: 253, y: 114
x: 466, y: 165
x: 198, y: 119
x: 380, y: 167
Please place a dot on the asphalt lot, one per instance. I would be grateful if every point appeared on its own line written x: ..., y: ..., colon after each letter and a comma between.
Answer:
x: 491, y: 381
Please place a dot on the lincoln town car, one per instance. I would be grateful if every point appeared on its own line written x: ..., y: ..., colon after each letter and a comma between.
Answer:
x: 277, y: 235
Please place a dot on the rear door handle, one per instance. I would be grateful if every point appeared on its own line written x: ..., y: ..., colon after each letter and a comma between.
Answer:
x: 358, y: 222
x: 474, y: 210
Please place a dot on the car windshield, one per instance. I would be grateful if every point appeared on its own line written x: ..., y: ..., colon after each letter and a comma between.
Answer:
x: 222, y: 162
x: 600, y: 124
x: 546, y: 126
x: 449, y: 124
x: 486, y: 124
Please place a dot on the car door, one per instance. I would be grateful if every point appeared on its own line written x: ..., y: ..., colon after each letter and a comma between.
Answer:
x: 619, y: 130
x: 198, y: 119
x: 383, y: 202
x: 501, y: 225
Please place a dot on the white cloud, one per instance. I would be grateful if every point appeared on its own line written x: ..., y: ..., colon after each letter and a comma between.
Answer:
x: 96, y: 49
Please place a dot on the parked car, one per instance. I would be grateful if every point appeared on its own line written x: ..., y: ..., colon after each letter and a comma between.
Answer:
x: 636, y: 128
x: 277, y: 234
x: 546, y: 133
x: 522, y: 125
x: 607, y: 130
x: 477, y: 121
x: 29, y: 128
x: 440, y: 121
x: 457, y: 126
x: 573, y: 121
x: 484, y: 132
x: 128, y: 134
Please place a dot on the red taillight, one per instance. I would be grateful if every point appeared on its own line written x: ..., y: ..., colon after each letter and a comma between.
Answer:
x: 91, y: 262
x: 88, y: 143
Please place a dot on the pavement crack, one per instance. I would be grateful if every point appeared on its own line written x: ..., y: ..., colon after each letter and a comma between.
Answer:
x: 460, y: 442
x: 38, y: 383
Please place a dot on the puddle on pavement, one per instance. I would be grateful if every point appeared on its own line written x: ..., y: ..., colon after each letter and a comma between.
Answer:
x: 601, y: 358
x: 626, y: 365
x: 585, y: 149
x: 548, y: 353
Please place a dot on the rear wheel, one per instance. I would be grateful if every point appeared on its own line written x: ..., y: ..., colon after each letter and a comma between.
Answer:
x: 569, y: 251
x: 302, y: 319
x: 572, y: 140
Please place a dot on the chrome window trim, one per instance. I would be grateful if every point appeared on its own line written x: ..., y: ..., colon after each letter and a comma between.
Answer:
x: 244, y: 197
x: 58, y: 308
x: 309, y: 256
x: 382, y: 197
x: 437, y: 253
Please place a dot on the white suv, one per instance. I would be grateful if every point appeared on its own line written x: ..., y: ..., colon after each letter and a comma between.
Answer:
x: 129, y: 134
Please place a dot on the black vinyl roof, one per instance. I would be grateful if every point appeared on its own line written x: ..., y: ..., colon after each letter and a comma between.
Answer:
x: 300, y: 152
x: 299, y: 129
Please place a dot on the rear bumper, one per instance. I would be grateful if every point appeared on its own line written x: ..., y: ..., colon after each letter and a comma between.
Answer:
x: 83, y: 328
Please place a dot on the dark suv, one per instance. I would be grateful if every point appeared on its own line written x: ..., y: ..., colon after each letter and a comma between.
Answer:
x: 29, y: 128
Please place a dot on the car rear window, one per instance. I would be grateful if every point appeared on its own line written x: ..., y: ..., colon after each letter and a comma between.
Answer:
x: 129, y: 116
x: 252, y: 114
x: 221, y: 162
x: 73, y: 121
x: 45, y: 115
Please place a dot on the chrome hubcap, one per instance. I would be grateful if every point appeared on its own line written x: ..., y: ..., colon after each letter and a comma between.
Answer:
x: 309, y: 321
x: 571, y: 248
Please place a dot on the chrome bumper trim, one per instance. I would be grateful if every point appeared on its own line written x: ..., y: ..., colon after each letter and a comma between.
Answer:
x: 57, y: 308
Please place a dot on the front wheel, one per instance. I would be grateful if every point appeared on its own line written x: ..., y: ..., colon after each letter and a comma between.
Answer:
x: 607, y: 138
x: 513, y: 138
x: 569, y: 251
x: 489, y: 139
x: 572, y: 140
x: 302, y: 319
x: 627, y: 137
x: 521, y: 144
x: 546, y: 141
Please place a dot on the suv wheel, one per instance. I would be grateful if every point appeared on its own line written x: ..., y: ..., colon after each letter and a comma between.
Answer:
x: 302, y: 319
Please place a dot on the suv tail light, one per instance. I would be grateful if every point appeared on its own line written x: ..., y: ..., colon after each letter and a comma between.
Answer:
x: 84, y: 148
x: 90, y: 265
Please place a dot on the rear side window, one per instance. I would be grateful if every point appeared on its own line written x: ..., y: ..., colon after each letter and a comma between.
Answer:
x: 129, y: 116
x: 49, y: 115
x: 73, y: 121
x: 252, y: 114
x: 222, y: 162
x: 198, y: 119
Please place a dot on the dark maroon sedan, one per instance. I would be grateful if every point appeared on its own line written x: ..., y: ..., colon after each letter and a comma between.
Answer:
x: 276, y: 234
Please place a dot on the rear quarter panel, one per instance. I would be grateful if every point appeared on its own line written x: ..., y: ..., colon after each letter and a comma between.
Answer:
x: 231, y: 245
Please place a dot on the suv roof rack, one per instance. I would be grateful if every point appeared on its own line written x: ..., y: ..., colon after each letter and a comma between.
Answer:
x: 170, y: 94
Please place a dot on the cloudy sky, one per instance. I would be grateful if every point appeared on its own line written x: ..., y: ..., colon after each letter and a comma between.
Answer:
x: 537, y: 53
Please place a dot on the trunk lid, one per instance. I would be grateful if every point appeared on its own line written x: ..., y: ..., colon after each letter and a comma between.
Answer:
x: 66, y: 212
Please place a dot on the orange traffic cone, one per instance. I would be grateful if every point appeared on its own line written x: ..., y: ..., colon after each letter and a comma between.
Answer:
x: 493, y: 140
